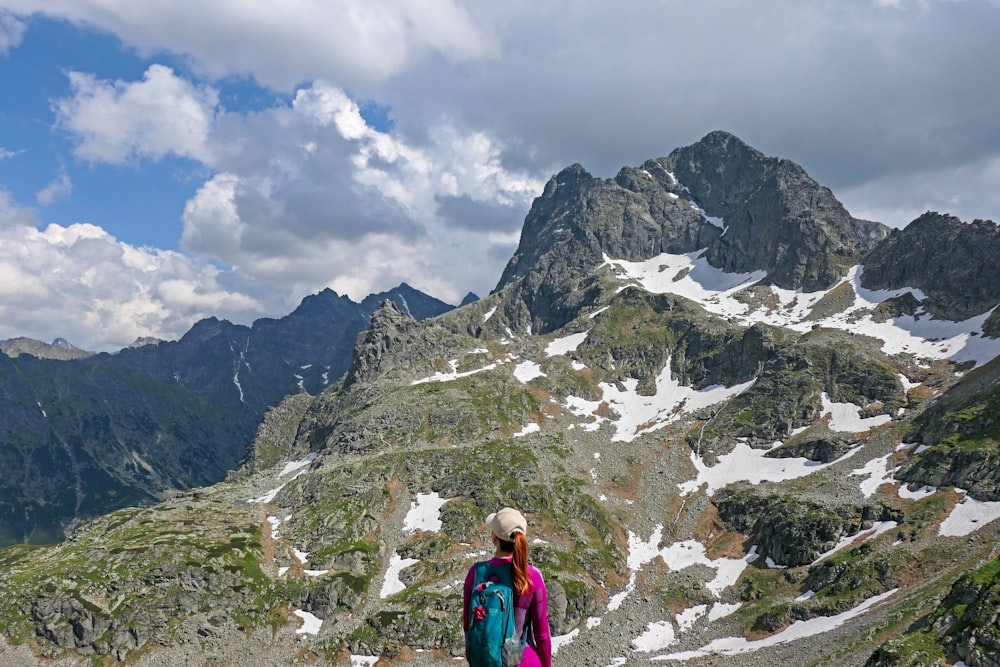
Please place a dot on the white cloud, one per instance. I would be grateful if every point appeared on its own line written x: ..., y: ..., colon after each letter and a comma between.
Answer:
x: 80, y: 283
x: 285, y: 43
x: 11, y: 32
x: 60, y: 187
x: 311, y: 195
x: 7, y: 154
x: 160, y: 115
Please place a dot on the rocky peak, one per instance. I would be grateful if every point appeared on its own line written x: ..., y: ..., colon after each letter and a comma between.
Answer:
x: 951, y: 262
x: 777, y: 218
x: 766, y: 214
x: 389, y: 326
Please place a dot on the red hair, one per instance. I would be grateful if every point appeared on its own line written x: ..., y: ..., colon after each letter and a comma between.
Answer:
x: 519, y: 547
x: 521, y: 584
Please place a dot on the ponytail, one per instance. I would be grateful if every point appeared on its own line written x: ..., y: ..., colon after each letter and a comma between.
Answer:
x: 519, y: 547
x: 521, y: 584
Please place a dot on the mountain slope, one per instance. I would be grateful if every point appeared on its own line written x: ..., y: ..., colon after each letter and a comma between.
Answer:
x: 81, y: 438
x: 710, y: 464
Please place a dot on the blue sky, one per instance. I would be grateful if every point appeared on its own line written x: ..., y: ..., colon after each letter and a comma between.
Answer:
x: 161, y: 162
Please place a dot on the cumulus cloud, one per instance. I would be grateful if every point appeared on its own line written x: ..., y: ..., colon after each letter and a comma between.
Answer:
x: 302, y: 191
x: 80, y: 283
x: 319, y: 189
x: 7, y: 154
x: 117, y: 121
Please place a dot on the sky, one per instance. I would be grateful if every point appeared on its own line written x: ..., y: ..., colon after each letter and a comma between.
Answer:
x: 167, y: 160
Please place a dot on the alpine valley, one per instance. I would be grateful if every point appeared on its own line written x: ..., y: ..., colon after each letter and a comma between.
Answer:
x: 746, y: 428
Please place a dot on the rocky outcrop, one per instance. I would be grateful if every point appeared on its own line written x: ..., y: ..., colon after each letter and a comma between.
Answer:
x: 389, y: 327
x: 966, y: 624
x: 951, y: 262
x: 794, y: 531
x: 963, y: 430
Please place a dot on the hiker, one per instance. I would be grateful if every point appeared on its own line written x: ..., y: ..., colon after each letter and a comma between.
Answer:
x: 494, y: 588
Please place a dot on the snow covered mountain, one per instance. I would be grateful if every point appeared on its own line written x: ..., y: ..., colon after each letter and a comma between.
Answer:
x: 731, y: 448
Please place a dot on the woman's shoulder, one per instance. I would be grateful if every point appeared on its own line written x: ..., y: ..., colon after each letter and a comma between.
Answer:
x: 535, y: 575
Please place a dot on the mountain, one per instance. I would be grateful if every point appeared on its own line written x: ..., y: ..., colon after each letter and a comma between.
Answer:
x: 83, y: 437
x: 727, y: 456
x: 60, y: 348
x: 747, y: 212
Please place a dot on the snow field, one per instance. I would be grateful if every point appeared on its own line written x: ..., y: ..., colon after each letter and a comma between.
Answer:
x: 690, y: 276
x: 565, y: 345
x: 846, y: 417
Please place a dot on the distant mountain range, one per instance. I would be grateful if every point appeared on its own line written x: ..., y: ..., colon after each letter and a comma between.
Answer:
x: 745, y: 427
x: 83, y: 437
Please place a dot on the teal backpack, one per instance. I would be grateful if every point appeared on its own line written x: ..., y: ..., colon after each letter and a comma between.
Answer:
x: 491, y: 640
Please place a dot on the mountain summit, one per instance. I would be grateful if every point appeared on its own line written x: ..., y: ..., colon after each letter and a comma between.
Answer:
x: 747, y: 212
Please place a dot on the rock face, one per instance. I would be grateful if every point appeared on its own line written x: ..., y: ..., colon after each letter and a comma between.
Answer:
x: 778, y: 219
x: 80, y: 438
x: 576, y: 221
x: 792, y: 531
x: 953, y: 263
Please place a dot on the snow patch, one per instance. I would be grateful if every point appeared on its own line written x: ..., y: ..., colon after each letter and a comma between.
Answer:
x: 453, y: 374
x: 918, y: 494
x: 526, y: 371
x: 687, y: 618
x: 529, y: 428
x: 747, y: 464
x: 310, y: 623
x: 846, y: 417
x: 638, y: 414
x: 876, y: 473
x: 425, y: 513
x: 298, y: 465
x: 392, y: 583
x: 968, y: 516
x: 797, y: 630
x: 569, y: 343
x: 657, y: 636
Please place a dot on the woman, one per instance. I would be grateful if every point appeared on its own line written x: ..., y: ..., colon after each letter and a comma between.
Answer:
x: 509, y: 535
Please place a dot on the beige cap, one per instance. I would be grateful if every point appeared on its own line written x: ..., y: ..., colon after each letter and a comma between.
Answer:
x: 506, y: 523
